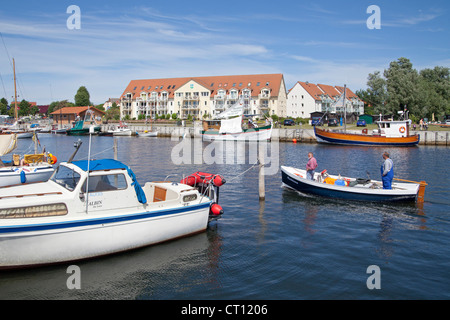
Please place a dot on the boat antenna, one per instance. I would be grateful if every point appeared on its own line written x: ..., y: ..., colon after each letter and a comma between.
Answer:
x: 91, y: 130
x: 345, y: 109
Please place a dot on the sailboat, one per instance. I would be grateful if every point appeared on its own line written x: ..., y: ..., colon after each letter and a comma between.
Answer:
x: 21, y: 133
x: 389, y: 133
x: 228, y: 127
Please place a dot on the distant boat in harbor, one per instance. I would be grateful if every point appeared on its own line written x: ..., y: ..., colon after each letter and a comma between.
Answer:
x: 228, y: 126
x: 389, y: 133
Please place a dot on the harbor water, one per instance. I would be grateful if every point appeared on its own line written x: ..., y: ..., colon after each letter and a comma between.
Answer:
x: 288, y: 247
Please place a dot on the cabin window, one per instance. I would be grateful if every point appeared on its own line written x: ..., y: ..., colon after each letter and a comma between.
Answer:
x: 107, y: 182
x: 66, y: 177
x: 47, y: 210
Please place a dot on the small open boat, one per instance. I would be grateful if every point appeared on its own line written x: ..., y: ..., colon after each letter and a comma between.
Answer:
x: 31, y: 168
x: 147, y: 134
x: 350, y: 188
x: 58, y: 221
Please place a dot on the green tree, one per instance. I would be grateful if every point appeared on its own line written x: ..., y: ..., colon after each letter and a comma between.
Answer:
x: 34, y: 110
x: 24, y: 108
x: 82, y: 97
x: 435, y: 92
x: 56, y: 105
x: 3, y: 106
x: 113, y: 112
x: 377, y: 92
x: 402, y: 83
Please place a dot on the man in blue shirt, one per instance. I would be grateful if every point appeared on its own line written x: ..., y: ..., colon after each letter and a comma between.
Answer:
x: 387, y: 171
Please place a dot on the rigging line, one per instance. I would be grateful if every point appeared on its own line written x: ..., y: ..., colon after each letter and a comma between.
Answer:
x: 6, y: 49
x: 3, y: 84
x: 240, y: 174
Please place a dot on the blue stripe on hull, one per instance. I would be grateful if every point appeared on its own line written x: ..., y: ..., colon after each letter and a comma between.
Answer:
x: 99, y: 221
x: 345, y: 195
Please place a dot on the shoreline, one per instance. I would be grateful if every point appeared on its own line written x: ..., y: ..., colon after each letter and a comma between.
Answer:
x: 428, y: 137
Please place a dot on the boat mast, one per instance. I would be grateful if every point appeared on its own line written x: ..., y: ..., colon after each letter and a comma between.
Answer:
x: 15, y: 92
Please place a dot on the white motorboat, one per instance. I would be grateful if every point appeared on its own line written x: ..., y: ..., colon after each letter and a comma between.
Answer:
x: 121, y: 130
x: 57, y: 221
x: 361, y: 189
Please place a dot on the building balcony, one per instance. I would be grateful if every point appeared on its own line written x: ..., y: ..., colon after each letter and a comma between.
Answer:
x: 191, y: 98
x: 196, y: 107
x: 264, y: 96
x: 219, y: 97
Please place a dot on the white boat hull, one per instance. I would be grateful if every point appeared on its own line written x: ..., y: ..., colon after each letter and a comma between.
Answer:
x: 148, y: 134
x: 246, y: 135
x: 61, y: 240
x: 10, y: 176
x: 121, y: 133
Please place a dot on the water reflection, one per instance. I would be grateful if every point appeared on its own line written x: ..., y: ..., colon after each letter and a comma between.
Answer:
x: 129, y: 275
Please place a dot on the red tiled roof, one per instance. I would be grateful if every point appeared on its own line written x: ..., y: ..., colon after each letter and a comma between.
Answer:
x: 329, y: 90
x: 75, y: 110
x: 214, y: 83
x: 322, y: 89
x: 312, y: 89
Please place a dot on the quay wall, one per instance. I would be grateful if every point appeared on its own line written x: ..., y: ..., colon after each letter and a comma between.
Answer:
x: 284, y: 135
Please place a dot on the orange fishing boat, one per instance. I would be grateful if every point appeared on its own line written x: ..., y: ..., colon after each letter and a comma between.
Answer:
x: 389, y: 133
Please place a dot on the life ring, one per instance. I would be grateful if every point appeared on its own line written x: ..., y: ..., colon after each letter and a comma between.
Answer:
x: 402, y: 129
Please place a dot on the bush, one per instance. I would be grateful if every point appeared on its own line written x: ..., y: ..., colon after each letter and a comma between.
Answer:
x: 174, y: 116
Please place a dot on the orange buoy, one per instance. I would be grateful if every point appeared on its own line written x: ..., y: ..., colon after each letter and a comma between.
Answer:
x: 294, y: 140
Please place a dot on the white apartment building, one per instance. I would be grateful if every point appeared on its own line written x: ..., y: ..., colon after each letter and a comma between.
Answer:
x: 305, y: 98
x: 204, y: 96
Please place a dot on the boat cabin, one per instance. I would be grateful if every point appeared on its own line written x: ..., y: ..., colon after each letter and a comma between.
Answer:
x: 392, y: 128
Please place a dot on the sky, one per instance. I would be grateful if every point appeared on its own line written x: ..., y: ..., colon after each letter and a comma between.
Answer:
x: 114, y: 42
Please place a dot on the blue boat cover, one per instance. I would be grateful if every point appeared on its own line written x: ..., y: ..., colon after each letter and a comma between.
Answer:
x: 111, y: 164
x: 97, y: 165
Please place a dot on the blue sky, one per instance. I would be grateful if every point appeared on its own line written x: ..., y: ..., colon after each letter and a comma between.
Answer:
x: 317, y: 41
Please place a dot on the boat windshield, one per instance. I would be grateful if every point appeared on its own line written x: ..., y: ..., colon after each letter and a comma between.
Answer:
x: 66, y: 177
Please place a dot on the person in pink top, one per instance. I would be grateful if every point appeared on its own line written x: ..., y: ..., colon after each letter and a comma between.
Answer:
x: 311, y: 166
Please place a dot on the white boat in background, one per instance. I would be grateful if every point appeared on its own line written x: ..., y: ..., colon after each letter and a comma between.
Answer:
x: 58, y: 221
x: 30, y: 169
x: 121, y: 130
x: 228, y: 126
